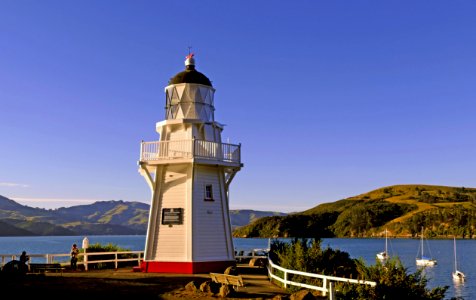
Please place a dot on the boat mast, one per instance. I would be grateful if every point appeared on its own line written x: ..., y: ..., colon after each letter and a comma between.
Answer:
x: 386, y: 252
x: 454, y: 246
x: 422, y: 243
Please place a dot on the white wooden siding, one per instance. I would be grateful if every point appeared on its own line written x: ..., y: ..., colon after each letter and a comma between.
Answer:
x: 171, y: 240
x: 178, y: 135
x: 210, y: 240
x: 210, y: 133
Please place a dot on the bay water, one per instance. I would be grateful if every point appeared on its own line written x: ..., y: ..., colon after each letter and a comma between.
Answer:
x: 405, y: 249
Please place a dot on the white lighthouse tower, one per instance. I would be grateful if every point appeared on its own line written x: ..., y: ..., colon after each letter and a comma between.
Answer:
x: 189, y: 171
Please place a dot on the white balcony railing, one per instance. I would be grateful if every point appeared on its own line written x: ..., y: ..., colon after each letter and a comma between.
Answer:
x: 166, y: 150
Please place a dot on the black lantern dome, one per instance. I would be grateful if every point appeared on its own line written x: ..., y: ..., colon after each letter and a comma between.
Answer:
x: 190, y: 75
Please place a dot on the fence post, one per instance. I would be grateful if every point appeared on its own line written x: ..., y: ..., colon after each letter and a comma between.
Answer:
x: 285, y: 279
x: 332, y: 295
x: 270, y: 271
x: 85, y: 246
x: 115, y: 259
x: 85, y: 260
x: 324, y: 286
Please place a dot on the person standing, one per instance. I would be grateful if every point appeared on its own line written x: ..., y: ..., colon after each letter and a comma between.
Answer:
x: 23, y: 262
x: 74, y: 257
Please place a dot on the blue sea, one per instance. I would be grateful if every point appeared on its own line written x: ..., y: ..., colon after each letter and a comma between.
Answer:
x: 405, y: 249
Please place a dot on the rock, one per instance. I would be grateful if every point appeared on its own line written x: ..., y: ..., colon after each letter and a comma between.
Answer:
x: 210, y: 287
x: 191, y: 286
x: 302, y: 295
x: 257, y: 262
x: 205, y: 287
x: 231, y: 270
x: 225, y: 290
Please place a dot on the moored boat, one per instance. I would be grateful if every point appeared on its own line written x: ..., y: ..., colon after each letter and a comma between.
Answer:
x: 384, y: 254
x: 423, y: 260
x: 457, y: 275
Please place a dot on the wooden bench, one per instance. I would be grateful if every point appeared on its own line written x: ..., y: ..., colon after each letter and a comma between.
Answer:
x: 42, y: 268
x: 234, y: 280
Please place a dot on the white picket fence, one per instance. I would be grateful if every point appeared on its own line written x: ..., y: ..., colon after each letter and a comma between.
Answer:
x: 327, y: 287
x: 86, y: 261
x: 327, y: 281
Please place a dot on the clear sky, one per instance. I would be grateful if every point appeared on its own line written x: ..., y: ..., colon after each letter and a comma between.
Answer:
x: 330, y: 99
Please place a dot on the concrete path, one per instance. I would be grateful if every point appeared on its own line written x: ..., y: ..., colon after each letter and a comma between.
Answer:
x: 125, y: 282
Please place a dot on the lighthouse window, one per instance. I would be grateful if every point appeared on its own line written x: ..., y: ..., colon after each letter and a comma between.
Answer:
x: 208, y: 192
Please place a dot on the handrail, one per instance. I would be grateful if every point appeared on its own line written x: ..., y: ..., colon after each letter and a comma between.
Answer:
x: 242, y: 254
x: 64, y: 257
x: 187, y: 149
x: 116, y: 260
x: 325, y: 279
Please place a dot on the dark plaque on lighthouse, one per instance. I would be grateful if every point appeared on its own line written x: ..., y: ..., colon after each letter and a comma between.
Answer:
x: 172, y: 216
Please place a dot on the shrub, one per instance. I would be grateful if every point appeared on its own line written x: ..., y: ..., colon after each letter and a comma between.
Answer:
x: 94, y: 248
x: 393, y: 282
x: 392, y: 278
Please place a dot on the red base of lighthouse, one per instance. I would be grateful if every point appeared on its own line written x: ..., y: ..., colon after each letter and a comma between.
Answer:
x: 185, y: 267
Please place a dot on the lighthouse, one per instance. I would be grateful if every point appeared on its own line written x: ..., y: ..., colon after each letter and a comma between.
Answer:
x: 189, y: 171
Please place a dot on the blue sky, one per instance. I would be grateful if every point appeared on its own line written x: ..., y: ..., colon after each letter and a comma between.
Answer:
x: 330, y: 99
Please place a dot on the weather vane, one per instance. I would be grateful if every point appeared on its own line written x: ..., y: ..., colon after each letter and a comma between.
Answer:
x: 190, y: 53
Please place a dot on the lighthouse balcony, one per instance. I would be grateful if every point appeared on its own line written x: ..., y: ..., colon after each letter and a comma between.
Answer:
x: 194, y: 150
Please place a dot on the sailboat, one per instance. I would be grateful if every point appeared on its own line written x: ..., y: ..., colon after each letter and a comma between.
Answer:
x: 424, y: 260
x: 457, y: 275
x: 384, y: 254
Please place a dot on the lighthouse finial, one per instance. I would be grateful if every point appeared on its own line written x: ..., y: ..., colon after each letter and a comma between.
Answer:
x: 189, y: 60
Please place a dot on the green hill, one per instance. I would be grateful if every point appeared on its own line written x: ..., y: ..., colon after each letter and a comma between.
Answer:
x: 403, y: 209
x: 244, y: 217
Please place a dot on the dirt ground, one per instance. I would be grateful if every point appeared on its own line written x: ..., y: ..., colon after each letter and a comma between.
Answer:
x: 125, y: 284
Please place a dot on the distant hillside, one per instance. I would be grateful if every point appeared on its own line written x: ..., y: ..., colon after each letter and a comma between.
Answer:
x: 38, y: 227
x: 246, y: 216
x: 100, y: 218
x: 131, y: 215
x: 10, y: 230
x: 403, y: 209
